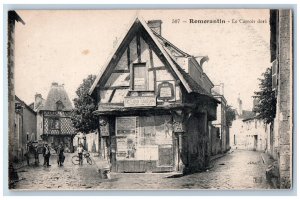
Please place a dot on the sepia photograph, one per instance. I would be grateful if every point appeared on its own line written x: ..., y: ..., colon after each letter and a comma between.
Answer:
x: 161, y: 99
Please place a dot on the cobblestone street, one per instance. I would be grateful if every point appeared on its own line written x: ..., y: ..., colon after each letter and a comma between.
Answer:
x: 237, y: 170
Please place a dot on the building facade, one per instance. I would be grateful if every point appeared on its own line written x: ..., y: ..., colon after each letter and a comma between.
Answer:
x: 255, y: 134
x: 222, y: 129
x: 37, y: 106
x: 281, y: 138
x: 13, y: 17
x: 241, y: 136
x: 24, y: 128
x: 56, y: 118
x: 154, y: 104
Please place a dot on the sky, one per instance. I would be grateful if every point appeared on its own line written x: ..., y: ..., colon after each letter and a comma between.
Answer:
x: 67, y: 46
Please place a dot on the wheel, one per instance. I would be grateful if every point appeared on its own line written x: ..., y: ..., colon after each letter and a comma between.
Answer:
x: 89, y: 160
x: 75, y: 160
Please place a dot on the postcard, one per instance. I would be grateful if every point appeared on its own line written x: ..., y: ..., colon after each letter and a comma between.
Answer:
x: 166, y: 99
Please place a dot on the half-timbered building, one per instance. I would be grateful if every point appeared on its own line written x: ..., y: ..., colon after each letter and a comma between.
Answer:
x: 154, y: 104
x: 56, y: 121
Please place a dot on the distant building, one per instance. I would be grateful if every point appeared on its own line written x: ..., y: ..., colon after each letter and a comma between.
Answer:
x: 256, y: 133
x: 55, y: 118
x: 24, y: 127
x: 89, y: 141
x: 222, y: 129
x: 37, y: 106
x: 242, y: 131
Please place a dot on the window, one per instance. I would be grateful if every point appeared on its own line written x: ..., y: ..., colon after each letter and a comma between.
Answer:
x: 59, y: 106
x: 218, y: 133
x: 54, y: 123
x: 140, y: 79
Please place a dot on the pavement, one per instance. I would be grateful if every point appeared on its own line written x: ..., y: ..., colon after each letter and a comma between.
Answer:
x: 236, y: 170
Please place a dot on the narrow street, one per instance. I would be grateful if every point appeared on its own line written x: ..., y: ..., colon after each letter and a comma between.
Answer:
x: 237, y: 170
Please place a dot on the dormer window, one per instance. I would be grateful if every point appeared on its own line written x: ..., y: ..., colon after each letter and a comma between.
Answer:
x: 59, y: 106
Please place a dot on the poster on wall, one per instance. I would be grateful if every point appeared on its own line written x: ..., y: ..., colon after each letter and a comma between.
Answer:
x: 147, y: 131
x: 126, y: 147
x: 163, y: 129
x: 126, y: 137
x: 121, y: 148
x: 125, y: 125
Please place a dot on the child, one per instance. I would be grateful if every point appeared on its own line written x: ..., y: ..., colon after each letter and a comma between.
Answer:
x: 80, y: 151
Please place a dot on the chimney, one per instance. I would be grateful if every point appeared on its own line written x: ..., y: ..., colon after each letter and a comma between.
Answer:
x: 54, y: 84
x: 155, y: 25
x: 219, y: 89
x: 37, y: 100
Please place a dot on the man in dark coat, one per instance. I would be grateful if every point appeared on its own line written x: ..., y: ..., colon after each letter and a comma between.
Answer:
x: 60, y: 153
x: 46, y: 154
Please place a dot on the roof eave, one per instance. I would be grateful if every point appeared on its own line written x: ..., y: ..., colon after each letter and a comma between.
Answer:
x: 111, y: 56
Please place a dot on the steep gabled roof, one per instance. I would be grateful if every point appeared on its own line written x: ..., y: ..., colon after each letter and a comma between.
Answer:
x: 57, y: 94
x: 164, y: 46
x: 158, y: 44
x: 17, y: 99
x: 165, y: 43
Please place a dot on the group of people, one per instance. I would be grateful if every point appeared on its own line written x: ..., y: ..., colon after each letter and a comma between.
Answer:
x: 60, y: 155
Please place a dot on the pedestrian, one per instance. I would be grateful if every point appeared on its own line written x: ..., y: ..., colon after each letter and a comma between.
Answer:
x: 60, y: 153
x: 46, y: 154
x: 80, y: 152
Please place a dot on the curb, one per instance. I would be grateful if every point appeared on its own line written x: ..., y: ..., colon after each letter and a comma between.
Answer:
x: 217, y: 157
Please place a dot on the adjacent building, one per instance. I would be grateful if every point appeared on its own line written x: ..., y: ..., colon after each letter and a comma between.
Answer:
x: 154, y: 104
x: 37, y: 106
x: 13, y: 17
x: 222, y: 128
x: 24, y: 128
x: 56, y: 118
x: 281, y: 136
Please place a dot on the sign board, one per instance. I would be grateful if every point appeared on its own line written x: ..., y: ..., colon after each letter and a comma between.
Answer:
x: 140, y: 101
x: 104, y: 130
x: 166, y: 91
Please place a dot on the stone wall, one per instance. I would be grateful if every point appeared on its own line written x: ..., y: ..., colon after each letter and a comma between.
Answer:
x: 284, y: 98
x: 215, y: 141
x: 11, y: 81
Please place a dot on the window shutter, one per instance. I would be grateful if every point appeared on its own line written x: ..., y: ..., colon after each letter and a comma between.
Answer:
x: 274, y: 75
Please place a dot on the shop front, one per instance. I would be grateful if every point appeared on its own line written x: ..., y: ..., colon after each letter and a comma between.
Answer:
x: 143, y: 143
